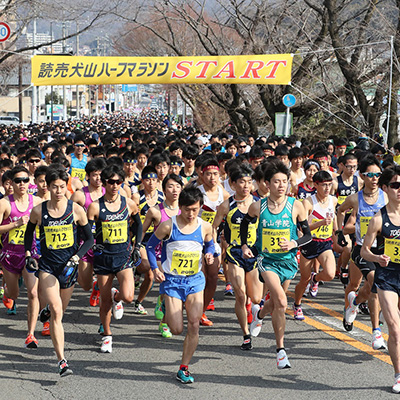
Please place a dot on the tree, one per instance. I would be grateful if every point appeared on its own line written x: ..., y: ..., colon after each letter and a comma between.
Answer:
x: 337, y: 69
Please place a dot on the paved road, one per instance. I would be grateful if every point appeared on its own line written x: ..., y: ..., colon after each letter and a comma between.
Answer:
x: 327, y: 362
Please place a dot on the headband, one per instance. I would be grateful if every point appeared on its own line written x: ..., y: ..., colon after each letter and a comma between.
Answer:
x: 149, y: 175
x: 309, y: 163
x: 176, y: 163
x: 129, y: 160
x: 210, y: 167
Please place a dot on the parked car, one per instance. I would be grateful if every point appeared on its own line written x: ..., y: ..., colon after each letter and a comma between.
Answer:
x: 8, y: 120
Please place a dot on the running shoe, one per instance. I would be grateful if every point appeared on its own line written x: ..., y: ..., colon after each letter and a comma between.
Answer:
x: 313, y: 286
x: 307, y: 291
x: 139, y: 310
x: 100, y: 331
x: 282, y: 360
x: 205, y: 321
x: 363, y: 307
x: 95, y: 295
x: 118, y: 308
x: 352, y: 309
x: 106, y: 344
x: 64, y: 369
x: 44, y: 314
x: 211, y: 306
x: 8, y: 303
x: 344, y: 276
x: 228, y: 290
x: 246, y: 345
x: 249, y: 313
x: 298, y: 313
x: 184, y: 376
x: 12, y: 310
x: 164, y: 330
x: 378, y: 342
x: 158, y: 312
x: 1, y: 292
x: 221, y: 270
x: 256, y: 325
x: 396, y: 386
x: 31, y: 342
x: 46, y: 329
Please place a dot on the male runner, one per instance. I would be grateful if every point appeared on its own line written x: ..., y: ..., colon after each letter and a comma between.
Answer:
x: 242, y: 273
x: 58, y: 219
x: 277, y: 243
x: 320, y: 209
x: 112, y: 255
x: 365, y: 204
x: 181, y: 276
x: 78, y: 159
x: 385, y: 226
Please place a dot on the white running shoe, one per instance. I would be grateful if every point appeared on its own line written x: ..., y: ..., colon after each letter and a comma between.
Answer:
x: 106, y: 345
x: 378, y: 342
x: 118, y: 308
x: 396, y: 386
x: 256, y: 325
x: 351, y: 310
x: 282, y: 360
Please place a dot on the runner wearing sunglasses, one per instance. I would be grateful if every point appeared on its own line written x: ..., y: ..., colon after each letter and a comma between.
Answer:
x: 14, y: 215
x: 384, y: 228
x: 365, y: 204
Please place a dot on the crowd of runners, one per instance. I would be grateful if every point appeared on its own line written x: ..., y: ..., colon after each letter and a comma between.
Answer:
x: 168, y: 208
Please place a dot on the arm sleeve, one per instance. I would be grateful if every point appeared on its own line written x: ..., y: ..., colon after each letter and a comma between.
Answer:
x: 209, y: 247
x: 137, y: 229
x: 88, y: 240
x: 244, y: 227
x: 151, y: 251
x: 28, y: 238
x: 306, y: 238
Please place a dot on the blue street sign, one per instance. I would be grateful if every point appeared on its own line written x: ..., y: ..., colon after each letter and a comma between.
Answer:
x: 289, y: 100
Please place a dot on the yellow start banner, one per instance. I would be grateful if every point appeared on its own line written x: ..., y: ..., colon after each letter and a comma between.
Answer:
x: 273, y: 69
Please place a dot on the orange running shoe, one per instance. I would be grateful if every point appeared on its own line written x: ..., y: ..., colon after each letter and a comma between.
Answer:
x: 8, y: 302
x: 95, y: 296
x: 211, y: 306
x: 205, y: 321
x: 46, y: 329
x: 31, y: 342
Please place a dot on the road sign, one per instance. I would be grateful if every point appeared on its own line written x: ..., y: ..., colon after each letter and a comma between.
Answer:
x: 289, y: 100
x: 283, y: 127
x: 5, y: 31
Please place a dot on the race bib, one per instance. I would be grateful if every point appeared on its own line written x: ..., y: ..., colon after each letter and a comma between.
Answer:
x: 392, y: 249
x: 251, y: 235
x: 185, y: 262
x: 59, y: 236
x: 323, y: 232
x: 78, y: 173
x: 16, y: 235
x: 271, y: 238
x: 341, y: 199
x: 364, y: 222
x: 208, y: 216
x: 115, y: 232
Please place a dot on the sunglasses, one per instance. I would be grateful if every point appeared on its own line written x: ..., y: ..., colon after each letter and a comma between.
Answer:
x: 114, y: 181
x: 351, y: 166
x: 34, y: 160
x: 394, y: 185
x: 79, y: 145
x: 21, y: 180
x: 243, y: 147
x: 372, y: 174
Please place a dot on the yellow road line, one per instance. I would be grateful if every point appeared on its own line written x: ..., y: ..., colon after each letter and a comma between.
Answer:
x: 339, y: 335
x: 336, y: 315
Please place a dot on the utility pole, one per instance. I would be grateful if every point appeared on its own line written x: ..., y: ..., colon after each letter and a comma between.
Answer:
x: 77, y: 86
x: 34, y: 91
x: 64, y: 90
